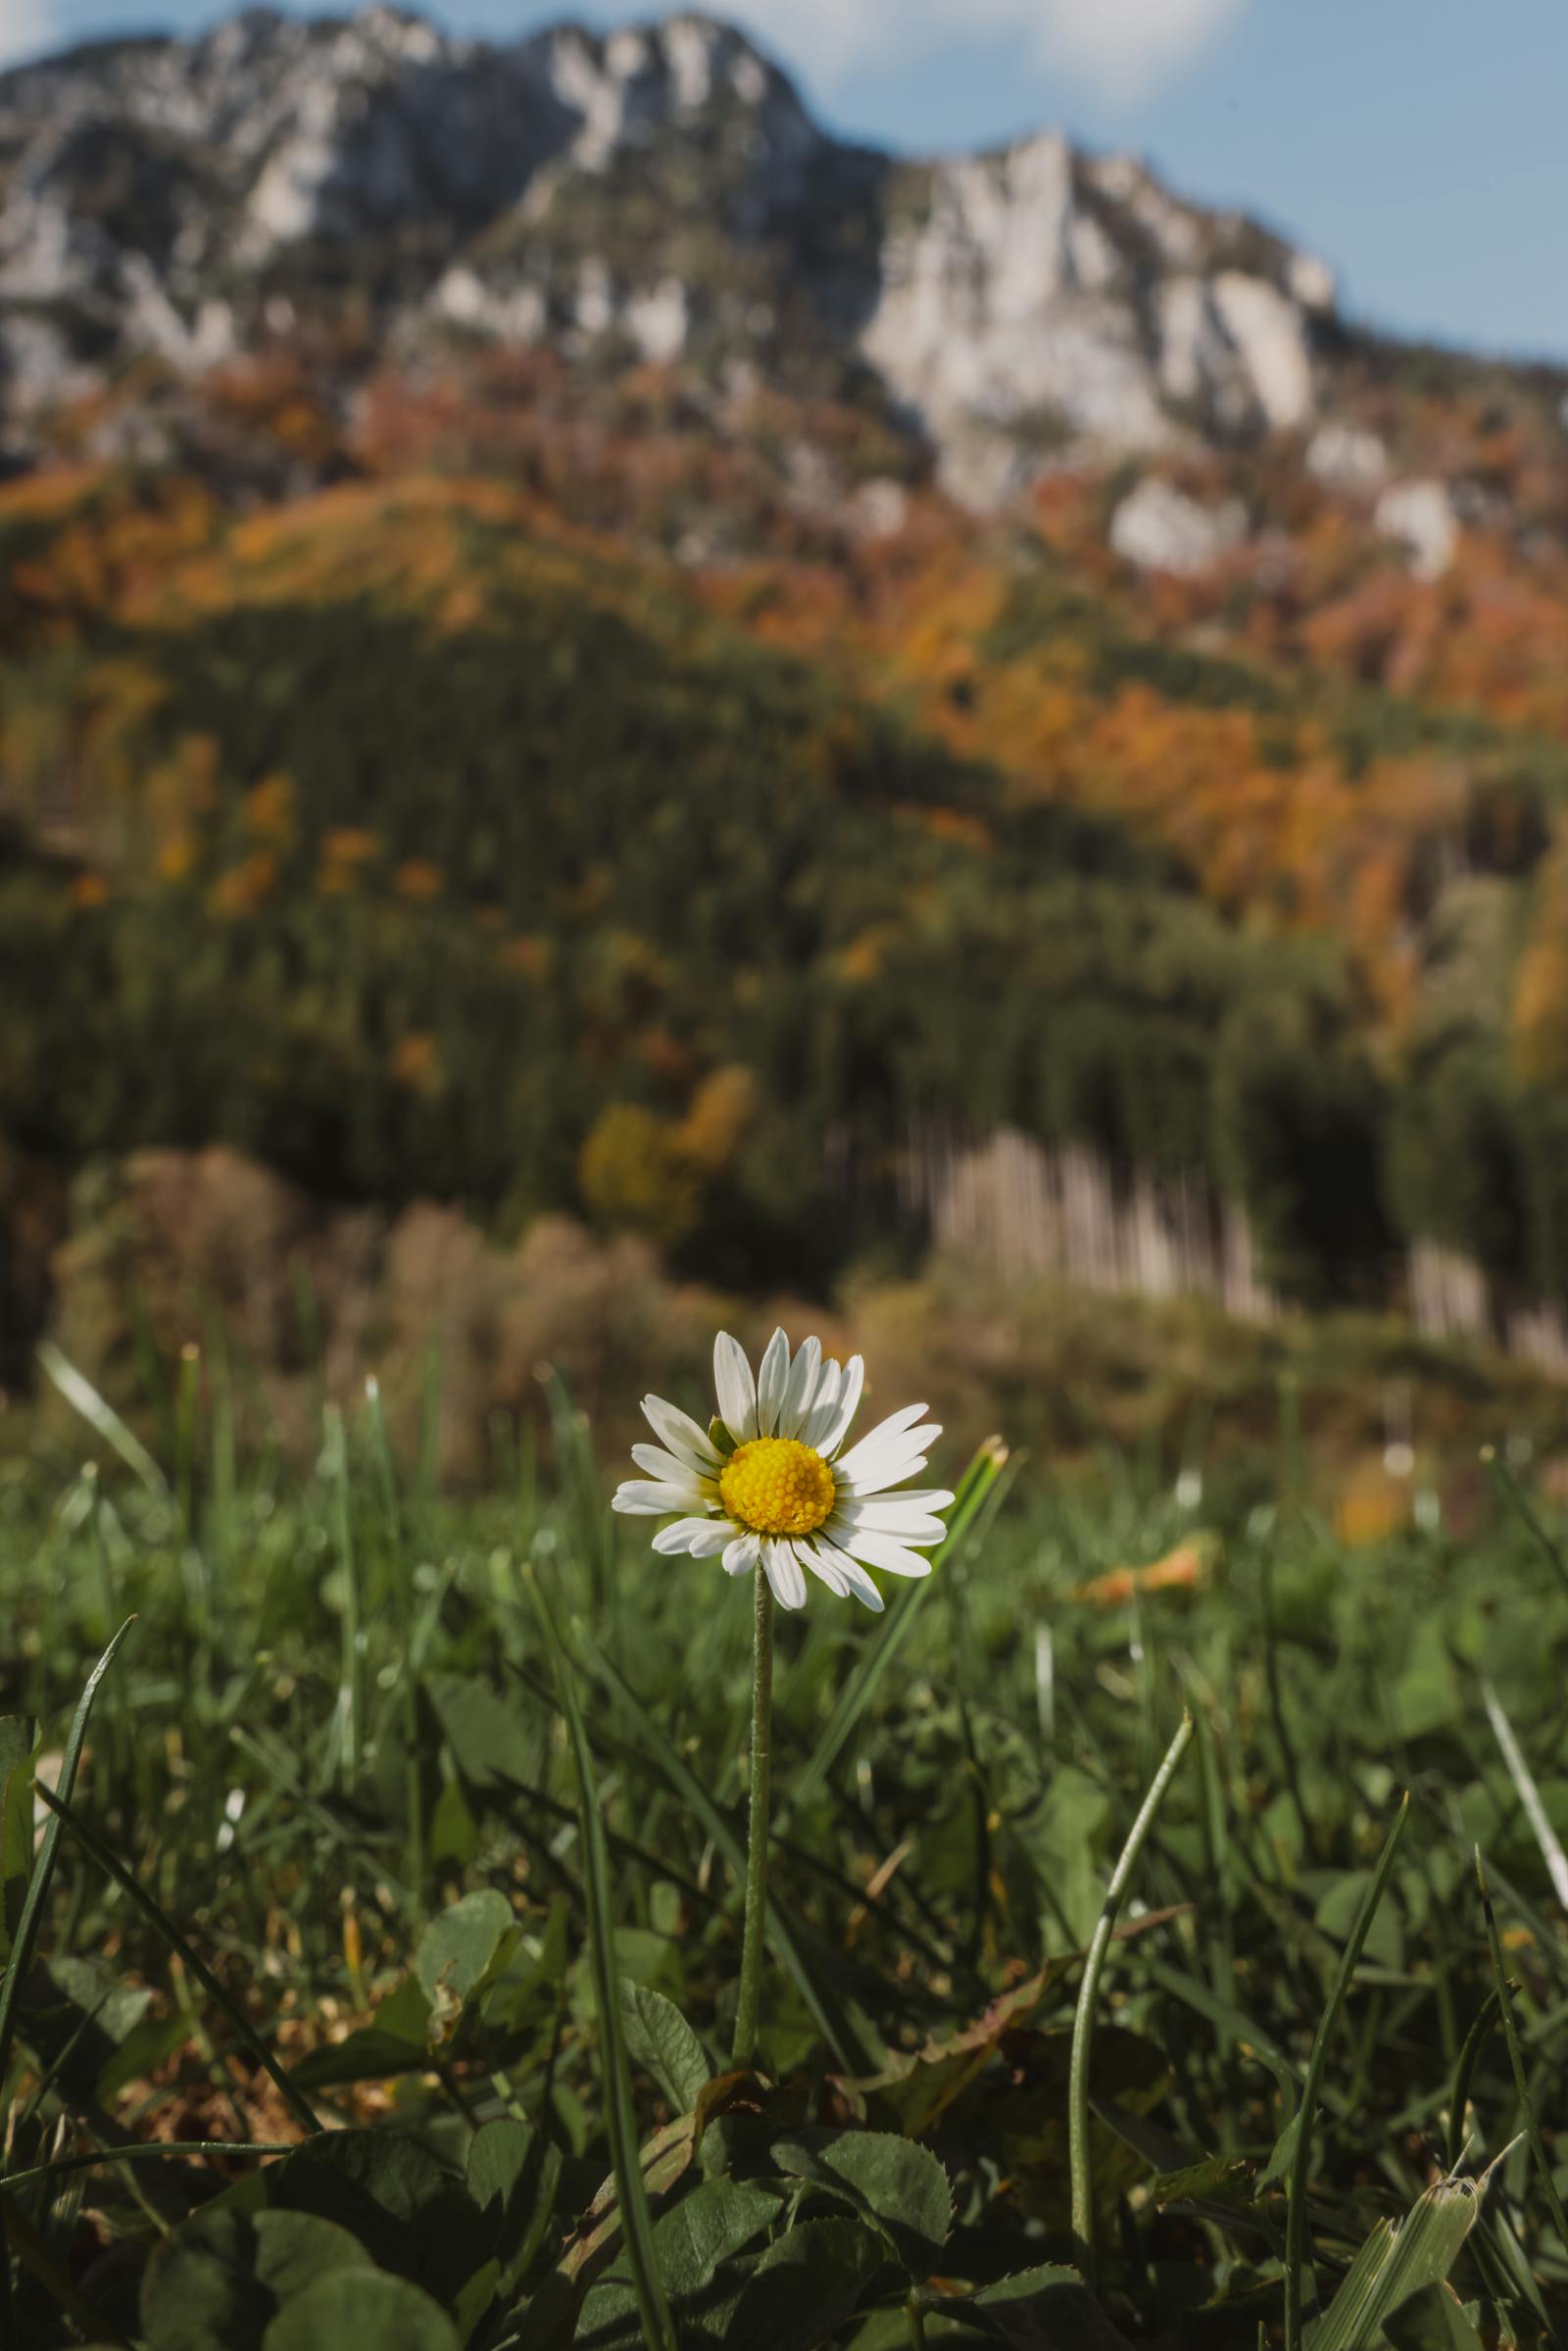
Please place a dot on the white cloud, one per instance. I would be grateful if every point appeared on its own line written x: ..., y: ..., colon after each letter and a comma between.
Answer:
x: 1128, y: 46
x: 1121, y: 48
x: 25, y: 28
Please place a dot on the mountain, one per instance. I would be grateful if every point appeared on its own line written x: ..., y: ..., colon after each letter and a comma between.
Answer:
x: 570, y: 642
x: 657, y: 194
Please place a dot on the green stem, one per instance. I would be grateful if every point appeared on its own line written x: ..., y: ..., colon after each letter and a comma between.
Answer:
x: 748, y: 2007
x: 1083, y: 2185
x: 916, y: 2319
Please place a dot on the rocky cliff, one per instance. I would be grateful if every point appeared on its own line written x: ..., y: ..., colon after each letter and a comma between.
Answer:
x: 656, y: 194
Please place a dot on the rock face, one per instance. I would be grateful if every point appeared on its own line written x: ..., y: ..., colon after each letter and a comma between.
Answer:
x: 1419, y: 516
x: 1159, y: 528
x: 654, y: 194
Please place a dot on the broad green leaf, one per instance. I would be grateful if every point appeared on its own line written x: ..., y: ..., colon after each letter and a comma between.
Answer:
x: 414, y: 2218
x: 659, y: 2036
x: 1337, y: 1911
x: 897, y: 2185
x: 217, y: 2282
x: 708, y: 2229
x: 598, y: 2240
x: 484, y: 1733
x: 1395, y: 2261
x: 638, y: 1956
x: 512, y: 2176
x: 1428, y: 1695
x: 453, y: 1832
x: 1431, y: 2320
x: 805, y: 2287
x: 373, y: 2312
x: 1218, y: 2180
x: 1065, y: 1841
x: 1049, y: 2308
x: 394, y: 2042
x: 460, y: 1952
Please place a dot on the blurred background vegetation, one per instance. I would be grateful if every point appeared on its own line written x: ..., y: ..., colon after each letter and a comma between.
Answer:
x: 416, y: 856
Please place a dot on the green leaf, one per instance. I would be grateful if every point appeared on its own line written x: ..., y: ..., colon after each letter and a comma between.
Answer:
x: 460, y: 1953
x: 691, y: 2244
x: 659, y: 2036
x: 899, y: 2186
x: 1396, y: 2262
x: 1218, y: 2180
x: 1337, y: 1913
x: 395, y: 2041
x: 1428, y: 1695
x: 409, y: 2212
x: 1431, y: 2320
x: 1049, y: 2308
x: 484, y: 1733
x: 218, y: 2281
x: 374, y: 2313
x: 453, y: 1832
x: 513, y: 2173
x: 805, y: 2287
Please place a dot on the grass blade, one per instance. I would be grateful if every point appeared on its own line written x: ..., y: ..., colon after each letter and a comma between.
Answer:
x: 350, y: 1707
x: 140, y: 2150
x: 1546, y: 1836
x: 1399, y: 2260
x: 835, y: 2030
x: 156, y: 1916
x: 1295, y: 2247
x: 102, y: 1418
x: 1510, y: 2035
x: 13, y: 2229
x: 24, y: 1940
x: 646, y: 2286
x: 975, y: 1489
x: 1474, y: 2041
x: 1083, y: 2186
x: 1508, y: 1487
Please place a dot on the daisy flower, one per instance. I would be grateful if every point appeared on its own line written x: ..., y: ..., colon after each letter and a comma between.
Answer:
x: 768, y: 1484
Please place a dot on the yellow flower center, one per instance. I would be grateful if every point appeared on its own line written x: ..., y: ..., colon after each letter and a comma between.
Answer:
x: 777, y: 1486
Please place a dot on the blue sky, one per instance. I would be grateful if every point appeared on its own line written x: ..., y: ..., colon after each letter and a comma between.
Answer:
x: 1418, y: 145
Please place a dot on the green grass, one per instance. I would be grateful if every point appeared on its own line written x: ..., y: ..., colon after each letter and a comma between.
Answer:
x: 330, y: 1820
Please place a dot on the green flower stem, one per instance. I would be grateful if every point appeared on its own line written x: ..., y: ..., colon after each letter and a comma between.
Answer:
x: 748, y: 2007
x: 1082, y: 2177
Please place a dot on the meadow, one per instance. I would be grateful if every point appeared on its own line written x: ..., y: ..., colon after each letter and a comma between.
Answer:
x: 374, y: 1927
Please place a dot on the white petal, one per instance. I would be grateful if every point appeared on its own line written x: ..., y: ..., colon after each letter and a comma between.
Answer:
x: 885, y: 1434
x: 877, y: 1551
x: 836, y: 1427
x: 913, y: 1527
x: 802, y: 1390
x: 772, y: 1382
x: 889, y: 1481
x: 694, y: 1535
x: 841, y: 1573
x: 891, y: 1464
x: 680, y: 1433
x: 735, y: 1388
x: 639, y: 1496
x: 740, y: 1556
x: 829, y: 1380
x: 715, y: 1536
x: 783, y: 1571
x: 659, y: 1464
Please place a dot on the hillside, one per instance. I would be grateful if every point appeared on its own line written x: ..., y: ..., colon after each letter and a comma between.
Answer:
x: 627, y: 657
